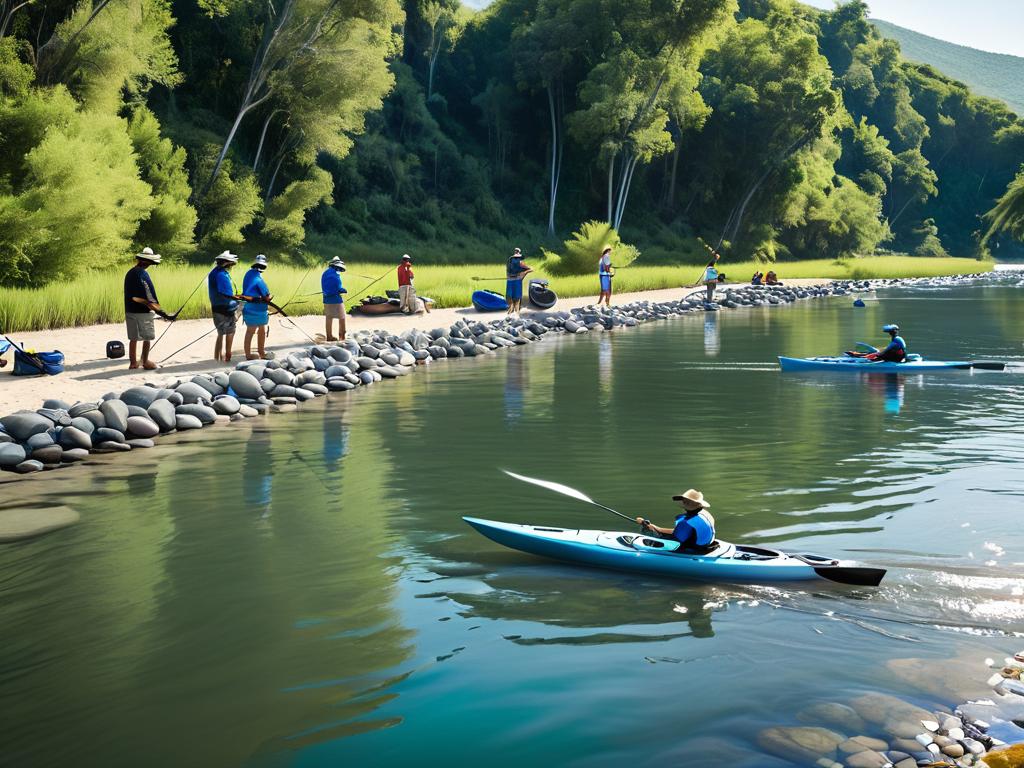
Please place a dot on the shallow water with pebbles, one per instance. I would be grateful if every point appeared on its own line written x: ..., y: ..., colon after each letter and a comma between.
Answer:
x: 300, y: 590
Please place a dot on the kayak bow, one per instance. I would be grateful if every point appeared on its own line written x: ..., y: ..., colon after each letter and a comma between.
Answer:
x: 623, y: 551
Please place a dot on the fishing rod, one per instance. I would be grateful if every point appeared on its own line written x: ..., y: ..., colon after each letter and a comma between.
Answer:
x: 161, y: 362
x: 174, y: 315
x: 565, y: 490
x: 366, y: 287
x: 297, y: 287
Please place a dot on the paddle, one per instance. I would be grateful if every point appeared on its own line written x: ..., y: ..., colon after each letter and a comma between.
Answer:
x: 478, y: 279
x: 565, y: 490
x: 988, y: 366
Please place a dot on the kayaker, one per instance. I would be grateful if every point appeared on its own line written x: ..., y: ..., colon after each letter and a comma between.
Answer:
x: 255, y: 311
x: 140, y: 307
x: 694, y: 529
x: 334, y: 307
x: 896, y: 352
x: 515, y: 270
x: 406, y: 290
x: 224, y: 303
x: 605, y: 272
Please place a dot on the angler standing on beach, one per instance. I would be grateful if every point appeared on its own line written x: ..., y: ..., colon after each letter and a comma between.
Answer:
x: 515, y: 270
x: 140, y: 307
x: 224, y: 302
x: 406, y: 290
x: 334, y: 307
x: 255, y: 311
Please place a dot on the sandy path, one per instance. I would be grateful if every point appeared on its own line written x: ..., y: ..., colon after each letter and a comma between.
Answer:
x: 89, y: 374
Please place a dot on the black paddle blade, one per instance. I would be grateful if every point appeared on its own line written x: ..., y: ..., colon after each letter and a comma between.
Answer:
x: 987, y: 366
x: 855, y: 575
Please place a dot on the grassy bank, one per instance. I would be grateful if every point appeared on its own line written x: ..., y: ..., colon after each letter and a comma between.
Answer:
x: 96, y: 297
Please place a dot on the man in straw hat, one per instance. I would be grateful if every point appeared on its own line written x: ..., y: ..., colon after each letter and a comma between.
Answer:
x: 332, y: 289
x: 224, y: 302
x: 694, y: 528
x: 140, y: 307
x: 406, y: 291
x: 255, y: 312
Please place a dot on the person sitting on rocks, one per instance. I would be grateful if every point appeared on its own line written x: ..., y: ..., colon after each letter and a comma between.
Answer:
x: 771, y: 278
x: 757, y: 279
x: 694, y: 529
x: 896, y: 352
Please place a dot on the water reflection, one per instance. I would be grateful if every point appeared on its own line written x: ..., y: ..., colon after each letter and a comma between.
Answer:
x: 712, y: 337
x: 890, y: 387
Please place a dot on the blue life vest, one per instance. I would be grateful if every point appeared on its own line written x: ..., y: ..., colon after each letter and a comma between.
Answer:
x: 221, y: 291
x: 513, y: 267
x: 702, y: 526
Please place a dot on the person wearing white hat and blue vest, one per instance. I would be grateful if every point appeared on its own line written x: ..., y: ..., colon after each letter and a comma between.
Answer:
x: 255, y: 312
x: 224, y: 303
x: 140, y: 307
x: 694, y: 529
x: 334, y: 306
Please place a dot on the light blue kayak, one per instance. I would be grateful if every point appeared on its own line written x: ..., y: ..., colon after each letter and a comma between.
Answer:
x: 623, y: 551
x: 862, y: 365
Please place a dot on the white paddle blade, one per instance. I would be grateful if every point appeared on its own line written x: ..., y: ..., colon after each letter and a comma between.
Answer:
x: 565, y: 490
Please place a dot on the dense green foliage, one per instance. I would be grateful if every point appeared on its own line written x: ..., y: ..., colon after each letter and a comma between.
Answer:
x: 998, y: 75
x: 375, y: 127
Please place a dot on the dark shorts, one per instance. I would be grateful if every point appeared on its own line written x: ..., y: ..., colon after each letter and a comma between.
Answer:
x: 513, y: 290
x: 224, y: 323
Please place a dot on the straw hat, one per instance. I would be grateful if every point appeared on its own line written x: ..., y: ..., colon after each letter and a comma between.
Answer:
x: 692, y: 496
x: 148, y: 255
x: 227, y: 256
x: 260, y: 261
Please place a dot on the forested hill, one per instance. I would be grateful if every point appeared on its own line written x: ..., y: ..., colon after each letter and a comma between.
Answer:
x: 998, y: 75
x: 373, y: 128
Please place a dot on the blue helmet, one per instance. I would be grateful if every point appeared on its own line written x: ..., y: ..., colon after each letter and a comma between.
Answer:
x: 891, y: 328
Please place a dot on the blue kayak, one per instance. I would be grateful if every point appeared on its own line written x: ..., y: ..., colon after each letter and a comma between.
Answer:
x: 862, y: 365
x: 623, y: 551
x: 489, y: 301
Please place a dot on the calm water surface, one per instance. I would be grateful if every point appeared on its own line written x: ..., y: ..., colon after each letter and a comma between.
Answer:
x: 301, y: 591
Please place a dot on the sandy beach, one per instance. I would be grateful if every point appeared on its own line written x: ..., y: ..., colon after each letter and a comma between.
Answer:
x: 89, y: 374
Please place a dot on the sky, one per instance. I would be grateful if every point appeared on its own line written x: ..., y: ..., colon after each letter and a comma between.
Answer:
x: 991, y: 25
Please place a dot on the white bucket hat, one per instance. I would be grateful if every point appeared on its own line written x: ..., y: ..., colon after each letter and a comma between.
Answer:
x: 337, y: 262
x: 260, y: 261
x: 694, y: 497
x: 406, y: 257
x: 148, y: 255
x: 227, y: 256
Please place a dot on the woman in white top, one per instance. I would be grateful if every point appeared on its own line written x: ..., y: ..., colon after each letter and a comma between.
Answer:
x: 605, y: 272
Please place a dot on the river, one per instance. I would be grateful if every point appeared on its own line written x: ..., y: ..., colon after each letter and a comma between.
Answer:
x: 301, y: 590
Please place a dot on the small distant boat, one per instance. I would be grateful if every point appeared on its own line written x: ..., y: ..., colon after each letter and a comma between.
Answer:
x: 541, y: 296
x: 489, y: 301
x: 641, y: 553
x: 914, y: 364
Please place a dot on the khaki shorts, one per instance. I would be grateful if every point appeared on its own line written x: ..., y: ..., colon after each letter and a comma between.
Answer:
x: 140, y: 326
x: 225, y: 324
x: 334, y: 311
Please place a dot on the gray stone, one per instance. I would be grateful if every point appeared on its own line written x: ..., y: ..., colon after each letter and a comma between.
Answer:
x: 11, y: 454
x: 388, y: 372
x: 109, y: 446
x: 211, y: 387
x: 282, y: 390
x: 281, y: 376
x: 56, y: 404
x: 5, y: 438
x: 79, y: 409
x: 162, y: 413
x: 204, y: 413
x: 192, y: 393
x: 58, y: 416
x: 21, y: 425
x: 141, y: 397
x: 366, y: 377
x: 316, y: 389
x: 140, y: 427
x: 247, y: 411
x: 96, y: 417
x: 175, y: 399
x: 369, y: 351
x: 30, y: 465
x: 389, y: 357
x: 226, y: 405
x: 72, y: 437
x: 134, y: 410
x: 366, y: 363
x: 339, y: 385
x: 284, y: 400
x: 407, y: 358
x: 141, y: 442
x: 74, y: 454
x: 801, y: 744
x: 340, y: 354
x: 27, y: 522
x: 866, y: 759
x: 284, y: 408
x: 39, y: 440
x: 184, y: 421
x: 267, y: 385
x: 221, y: 380
x: 116, y: 414
x: 302, y: 395
x: 107, y: 435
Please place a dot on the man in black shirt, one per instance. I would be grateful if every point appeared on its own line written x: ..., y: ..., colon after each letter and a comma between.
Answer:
x: 140, y: 306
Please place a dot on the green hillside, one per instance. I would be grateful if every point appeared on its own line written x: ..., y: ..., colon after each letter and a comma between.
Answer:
x: 998, y: 75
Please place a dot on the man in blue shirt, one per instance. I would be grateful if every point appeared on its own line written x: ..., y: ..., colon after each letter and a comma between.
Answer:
x: 694, y: 529
x: 334, y: 307
x: 515, y: 271
x: 140, y: 305
x: 896, y: 352
x: 224, y: 303
x: 255, y: 311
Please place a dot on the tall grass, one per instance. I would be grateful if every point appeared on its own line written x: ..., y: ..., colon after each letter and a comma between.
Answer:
x: 96, y: 297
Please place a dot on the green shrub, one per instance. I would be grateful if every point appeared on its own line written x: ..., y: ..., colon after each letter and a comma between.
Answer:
x: 583, y: 250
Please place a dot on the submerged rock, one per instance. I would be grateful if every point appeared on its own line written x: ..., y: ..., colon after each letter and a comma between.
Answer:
x: 800, y: 744
x: 27, y: 523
